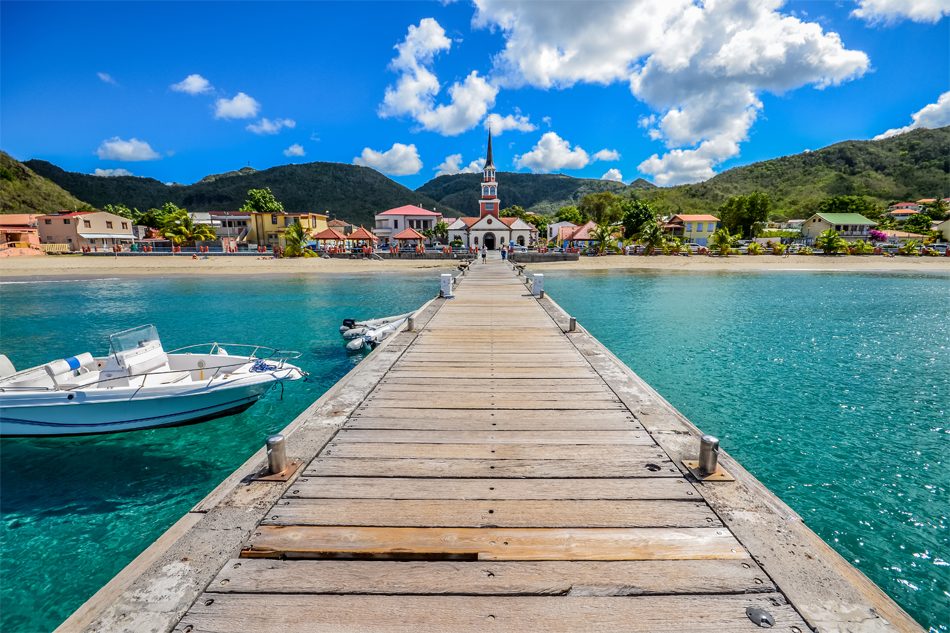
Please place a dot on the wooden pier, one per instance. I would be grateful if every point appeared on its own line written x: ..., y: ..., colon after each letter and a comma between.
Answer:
x: 490, y: 471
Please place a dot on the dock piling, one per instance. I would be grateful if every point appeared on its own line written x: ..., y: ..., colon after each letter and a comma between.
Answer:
x: 276, y: 454
x: 708, y: 454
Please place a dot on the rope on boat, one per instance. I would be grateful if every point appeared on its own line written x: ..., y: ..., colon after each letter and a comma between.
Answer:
x: 261, y: 366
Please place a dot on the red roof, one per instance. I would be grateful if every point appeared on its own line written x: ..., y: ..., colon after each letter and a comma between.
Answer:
x: 409, y: 209
x: 71, y: 214
x: 904, y: 204
x: 337, y: 223
x: 695, y: 218
x: 904, y: 211
x: 362, y: 234
x: 410, y: 234
x: 470, y: 221
x: 329, y: 234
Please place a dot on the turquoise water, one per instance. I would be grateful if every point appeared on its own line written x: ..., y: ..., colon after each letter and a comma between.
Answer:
x: 76, y: 511
x: 831, y: 388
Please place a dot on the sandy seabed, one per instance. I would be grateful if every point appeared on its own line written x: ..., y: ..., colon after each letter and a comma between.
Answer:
x: 86, y: 267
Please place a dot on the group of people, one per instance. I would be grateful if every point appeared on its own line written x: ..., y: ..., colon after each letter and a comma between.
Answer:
x: 504, y: 252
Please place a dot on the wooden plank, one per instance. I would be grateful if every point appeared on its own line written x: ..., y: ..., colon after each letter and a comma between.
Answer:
x: 649, y: 453
x: 514, y: 403
x: 494, y: 543
x: 494, y: 437
x: 507, y: 400
x: 453, y: 488
x: 492, y: 416
x: 258, y: 613
x: 541, y: 578
x: 468, y: 468
x: 455, y: 424
x: 493, y: 513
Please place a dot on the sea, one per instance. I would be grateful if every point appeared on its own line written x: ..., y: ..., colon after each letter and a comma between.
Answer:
x: 830, y: 387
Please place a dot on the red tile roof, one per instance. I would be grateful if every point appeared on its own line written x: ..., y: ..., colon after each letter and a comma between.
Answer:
x: 362, y: 234
x: 329, y: 234
x: 903, y: 212
x: 409, y: 209
x: 695, y: 218
x: 470, y: 221
x: 409, y: 234
x: 70, y: 214
x: 337, y: 223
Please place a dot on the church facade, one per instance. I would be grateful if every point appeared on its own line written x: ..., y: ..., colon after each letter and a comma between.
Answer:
x: 489, y: 229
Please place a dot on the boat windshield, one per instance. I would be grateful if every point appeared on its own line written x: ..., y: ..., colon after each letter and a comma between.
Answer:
x: 135, y: 338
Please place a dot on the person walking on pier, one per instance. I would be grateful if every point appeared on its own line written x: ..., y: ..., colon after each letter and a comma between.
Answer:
x: 484, y: 254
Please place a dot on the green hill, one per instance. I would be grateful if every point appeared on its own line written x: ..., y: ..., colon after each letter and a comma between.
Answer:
x: 349, y: 192
x: 901, y: 168
x: 542, y: 194
x: 22, y: 191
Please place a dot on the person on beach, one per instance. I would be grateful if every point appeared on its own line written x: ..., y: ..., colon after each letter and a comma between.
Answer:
x: 484, y: 254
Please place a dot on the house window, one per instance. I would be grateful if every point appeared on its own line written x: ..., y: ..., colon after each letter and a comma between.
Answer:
x: 92, y: 240
x: 476, y: 241
x: 273, y: 219
x: 87, y: 224
x: 108, y: 225
x: 125, y: 225
x: 490, y: 206
x: 689, y: 227
x: 66, y: 221
x: 47, y: 221
x: 395, y: 224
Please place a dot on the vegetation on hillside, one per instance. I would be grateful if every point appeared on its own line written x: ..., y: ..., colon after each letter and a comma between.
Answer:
x: 348, y: 192
x: 22, y: 191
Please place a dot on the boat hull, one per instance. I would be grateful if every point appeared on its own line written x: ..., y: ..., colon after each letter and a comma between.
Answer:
x: 97, y: 414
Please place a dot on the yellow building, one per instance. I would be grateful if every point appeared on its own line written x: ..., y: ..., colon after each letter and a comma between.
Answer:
x: 694, y: 228
x: 267, y: 229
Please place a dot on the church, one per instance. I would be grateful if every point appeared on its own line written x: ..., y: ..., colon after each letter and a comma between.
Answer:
x: 489, y: 229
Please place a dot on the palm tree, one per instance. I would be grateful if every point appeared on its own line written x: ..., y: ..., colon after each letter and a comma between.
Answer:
x: 441, y: 230
x: 910, y: 247
x: 602, y: 236
x: 180, y: 227
x: 723, y: 241
x: 652, y: 236
x: 830, y: 242
x: 755, y: 249
x: 296, y: 239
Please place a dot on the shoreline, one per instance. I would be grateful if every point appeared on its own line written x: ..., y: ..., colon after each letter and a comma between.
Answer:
x: 53, y: 268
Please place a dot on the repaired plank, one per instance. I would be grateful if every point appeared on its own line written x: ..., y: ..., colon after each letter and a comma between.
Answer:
x: 493, y: 543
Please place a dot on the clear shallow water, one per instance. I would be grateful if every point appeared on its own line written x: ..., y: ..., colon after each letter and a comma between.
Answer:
x: 831, y: 388
x: 76, y: 511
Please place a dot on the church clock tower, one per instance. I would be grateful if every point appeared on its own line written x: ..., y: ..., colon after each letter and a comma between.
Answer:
x: 489, y: 204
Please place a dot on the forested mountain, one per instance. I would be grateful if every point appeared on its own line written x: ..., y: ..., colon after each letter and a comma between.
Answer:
x: 348, y: 192
x: 542, y: 194
x: 907, y: 167
x: 22, y: 191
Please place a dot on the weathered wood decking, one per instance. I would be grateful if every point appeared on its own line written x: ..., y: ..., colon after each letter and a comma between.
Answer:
x: 500, y: 474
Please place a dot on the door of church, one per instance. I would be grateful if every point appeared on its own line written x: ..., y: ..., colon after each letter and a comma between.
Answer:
x: 490, y: 241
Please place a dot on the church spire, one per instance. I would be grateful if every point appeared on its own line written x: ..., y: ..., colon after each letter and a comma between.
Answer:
x: 488, y: 160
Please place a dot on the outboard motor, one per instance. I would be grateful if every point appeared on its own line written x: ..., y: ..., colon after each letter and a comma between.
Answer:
x: 347, y: 325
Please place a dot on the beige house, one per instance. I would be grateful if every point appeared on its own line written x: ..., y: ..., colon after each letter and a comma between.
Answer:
x: 850, y: 226
x: 944, y: 229
x: 92, y: 229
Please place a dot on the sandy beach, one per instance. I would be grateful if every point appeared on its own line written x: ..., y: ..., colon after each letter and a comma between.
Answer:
x: 84, y: 267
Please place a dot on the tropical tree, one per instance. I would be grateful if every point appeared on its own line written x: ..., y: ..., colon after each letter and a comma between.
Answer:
x: 296, y: 239
x: 180, y: 227
x: 121, y: 210
x: 602, y: 236
x: 261, y: 201
x: 513, y: 212
x: 441, y: 229
x: 746, y: 215
x: 602, y: 208
x: 830, y: 242
x: 910, y: 247
x: 867, y: 207
x: 651, y: 235
x: 539, y: 221
x: 937, y: 210
x: 862, y: 248
x: 723, y: 241
x: 570, y: 214
x: 754, y: 249
x: 919, y: 223
x: 636, y: 214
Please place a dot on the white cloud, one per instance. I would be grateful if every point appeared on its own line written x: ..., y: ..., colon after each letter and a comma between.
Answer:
x: 193, y: 85
x: 401, y: 160
x: 266, y: 126
x: 930, y: 116
x: 240, y: 107
x: 452, y: 165
x: 499, y: 124
x: 106, y: 173
x: 547, y: 120
x: 314, y: 137
x: 606, y: 154
x: 553, y: 153
x: 417, y: 86
x: 892, y: 11
x: 701, y: 66
x: 295, y: 150
x: 129, y: 151
x: 106, y: 77
x: 613, y: 174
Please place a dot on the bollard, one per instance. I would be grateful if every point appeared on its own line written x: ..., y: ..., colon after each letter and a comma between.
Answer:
x: 276, y: 454
x: 410, y: 324
x: 541, y: 295
x: 573, y: 325
x: 708, y: 454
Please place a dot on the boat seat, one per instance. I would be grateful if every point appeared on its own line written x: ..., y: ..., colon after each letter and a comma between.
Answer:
x: 74, y: 371
x: 156, y: 362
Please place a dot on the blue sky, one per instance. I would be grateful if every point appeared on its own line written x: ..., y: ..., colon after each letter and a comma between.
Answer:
x: 669, y: 90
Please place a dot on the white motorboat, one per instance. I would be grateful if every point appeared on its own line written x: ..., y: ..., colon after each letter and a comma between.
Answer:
x: 137, y: 386
x: 373, y: 336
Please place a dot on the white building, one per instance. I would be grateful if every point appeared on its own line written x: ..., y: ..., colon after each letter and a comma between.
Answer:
x: 554, y: 229
x: 489, y: 229
x: 389, y: 223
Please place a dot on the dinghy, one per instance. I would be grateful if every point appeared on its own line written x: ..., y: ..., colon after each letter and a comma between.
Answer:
x: 375, y: 335
x: 137, y: 386
x: 352, y: 324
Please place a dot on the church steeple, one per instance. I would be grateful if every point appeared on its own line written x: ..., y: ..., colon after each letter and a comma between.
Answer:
x: 489, y: 204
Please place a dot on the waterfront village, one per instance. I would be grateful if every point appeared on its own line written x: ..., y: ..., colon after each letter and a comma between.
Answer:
x: 600, y: 224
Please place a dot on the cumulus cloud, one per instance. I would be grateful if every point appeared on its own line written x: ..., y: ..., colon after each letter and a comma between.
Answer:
x: 415, y: 90
x: 892, y: 11
x: 106, y: 77
x: 128, y: 151
x: 606, y: 154
x: 106, y: 173
x: 240, y: 107
x: 401, y: 160
x: 193, y: 85
x: 930, y: 116
x: 700, y: 66
x: 295, y: 150
x: 452, y: 165
x: 553, y: 153
x: 613, y: 174
x: 266, y: 126
x: 499, y: 124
